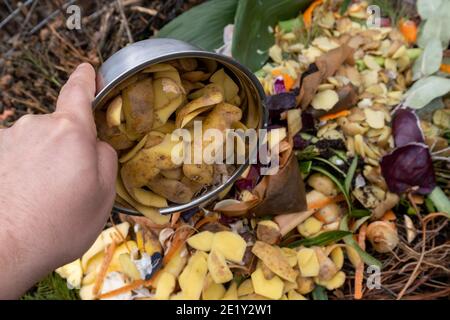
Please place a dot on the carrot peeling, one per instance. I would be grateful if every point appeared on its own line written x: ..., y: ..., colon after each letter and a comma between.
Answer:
x: 179, y: 239
x: 276, y: 72
x: 320, y: 204
x: 389, y: 216
x: 336, y: 115
x: 104, y: 268
x: 445, y: 68
x: 288, y: 82
x: 408, y: 29
x: 359, y: 272
x: 287, y: 79
x: 129, y: 287
x: 308, y: 14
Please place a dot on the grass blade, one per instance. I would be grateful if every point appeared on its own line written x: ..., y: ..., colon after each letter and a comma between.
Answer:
x: 331, y: 164
x: 367, y: 258
x: 322, y: 239
x: 319, y: 293
x: 350, y: 174
x: 336, y: 181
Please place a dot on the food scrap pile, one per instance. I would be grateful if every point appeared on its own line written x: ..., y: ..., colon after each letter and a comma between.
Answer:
x: 375, y: 192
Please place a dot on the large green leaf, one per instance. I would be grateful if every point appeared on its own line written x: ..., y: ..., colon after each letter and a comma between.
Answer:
x: 252, y: 37
x: 202, y: 25
x: 429, y: 61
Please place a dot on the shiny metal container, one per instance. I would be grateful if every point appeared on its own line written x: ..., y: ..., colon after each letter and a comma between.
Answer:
x: 132, y: 59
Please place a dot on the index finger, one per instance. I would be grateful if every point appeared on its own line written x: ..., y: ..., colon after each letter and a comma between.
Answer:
x: 77, y: 95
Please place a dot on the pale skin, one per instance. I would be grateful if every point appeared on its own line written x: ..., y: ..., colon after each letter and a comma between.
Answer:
x: 56, y: 187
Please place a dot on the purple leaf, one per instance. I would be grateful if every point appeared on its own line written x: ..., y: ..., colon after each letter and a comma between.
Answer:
x: 282, y: 101
x: 406, y: 127
x: 250, y: 181
x: 308, y: 123
x: 279, y: 86
x: 225, y: 220
x: 299, y: 142
x: 409, y: 166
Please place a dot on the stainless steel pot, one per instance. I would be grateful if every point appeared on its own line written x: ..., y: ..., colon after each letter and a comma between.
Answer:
x: 137, y: 56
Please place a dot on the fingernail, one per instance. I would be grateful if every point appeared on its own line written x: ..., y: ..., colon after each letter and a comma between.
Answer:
x: 82, y: 65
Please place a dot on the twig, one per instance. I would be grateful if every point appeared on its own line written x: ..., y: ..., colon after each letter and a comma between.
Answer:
x: 14, y: 13
x: 125, y: 21
x: 50, y: 17
x: 151, y: 12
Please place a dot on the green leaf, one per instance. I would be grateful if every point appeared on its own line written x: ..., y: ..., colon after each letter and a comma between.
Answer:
x: 252, y: 37
x: 426, y: 8
x: 322, y: 239
x: 440, y: 200
x: 429, y: 205
x: 426, y: 113
x: 307, y: 154
x: 358, y: 223
x: 425, y: 90
x: 367, y: 258
x: 331, y: 164
x: 305, y: 167
x: 319, y: 293
x: 202, y: 25
x: 359, y: 213
x: 336, y: 181
x: 340, y: 154
x: 52, y: 287
x: 344, y: 6
x: 289, y: 25
x: 429, y: 61
x: 350, y: 174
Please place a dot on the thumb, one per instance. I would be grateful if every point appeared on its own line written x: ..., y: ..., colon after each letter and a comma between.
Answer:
x: 77, y: 95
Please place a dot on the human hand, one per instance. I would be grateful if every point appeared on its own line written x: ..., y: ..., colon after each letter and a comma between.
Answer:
x: 56, y: 186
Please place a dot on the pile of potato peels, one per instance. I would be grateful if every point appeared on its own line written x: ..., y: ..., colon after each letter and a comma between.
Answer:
x: 139, y: 121
x: 332, y: 84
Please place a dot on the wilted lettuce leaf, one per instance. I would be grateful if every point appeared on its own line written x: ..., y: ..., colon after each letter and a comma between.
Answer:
x: 409, y: 166
x: 425, y: 90
x: 406, y: 127
x: 426, y: 8
x: 429, y: 61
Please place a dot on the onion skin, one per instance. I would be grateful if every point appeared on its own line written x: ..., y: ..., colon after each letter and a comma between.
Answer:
x: 383, y: 236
